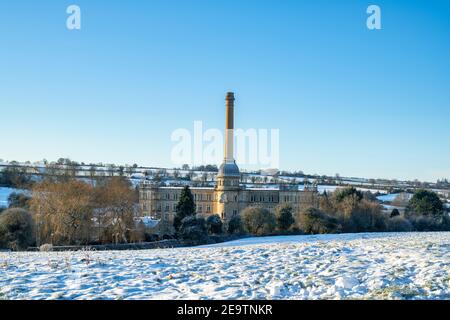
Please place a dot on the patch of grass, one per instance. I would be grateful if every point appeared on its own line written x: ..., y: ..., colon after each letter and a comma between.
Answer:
x: 393, y: 292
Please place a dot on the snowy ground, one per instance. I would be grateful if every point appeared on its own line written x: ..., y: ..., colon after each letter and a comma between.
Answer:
x: 367, y: 266
x: 4, y: 194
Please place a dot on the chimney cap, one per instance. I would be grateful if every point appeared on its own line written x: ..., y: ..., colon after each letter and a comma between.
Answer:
x: 230, y: 96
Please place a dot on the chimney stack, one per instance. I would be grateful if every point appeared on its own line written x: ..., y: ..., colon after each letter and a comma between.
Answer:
x: 229, y: 128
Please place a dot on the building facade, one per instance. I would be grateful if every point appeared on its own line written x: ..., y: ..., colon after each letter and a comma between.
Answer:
x: 228, y: 198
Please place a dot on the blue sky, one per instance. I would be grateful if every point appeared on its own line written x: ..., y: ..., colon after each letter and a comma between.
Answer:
x: 346, y: 99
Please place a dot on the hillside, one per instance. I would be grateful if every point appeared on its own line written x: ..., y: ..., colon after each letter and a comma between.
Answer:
x: 367, y: 266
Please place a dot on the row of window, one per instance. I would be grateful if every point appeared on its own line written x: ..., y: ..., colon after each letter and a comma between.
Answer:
x: 209, y: 197
x: 173, y: 208
x: 228, y: 183
x: 263, y: 198
x: 175, y: 196
x: 200, y: 208
x: 203, y: 197
x: 290, y: 198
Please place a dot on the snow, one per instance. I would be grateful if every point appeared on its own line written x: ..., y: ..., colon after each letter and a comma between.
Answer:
x: 393, y: 196
x: 5, y: 193
x: 346, y: 266
x: 148, y: 221
x: 275, y: 288
x: 388, y: 197
x: 347, y: 282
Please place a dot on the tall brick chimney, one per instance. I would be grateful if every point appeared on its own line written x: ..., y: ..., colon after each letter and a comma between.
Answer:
x: 229, y: 128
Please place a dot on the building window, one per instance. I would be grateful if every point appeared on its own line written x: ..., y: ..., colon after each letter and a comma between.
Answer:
x: 199, y: 209
x: 235, y: 212
x: 167, y: 208
x: 208, y: 209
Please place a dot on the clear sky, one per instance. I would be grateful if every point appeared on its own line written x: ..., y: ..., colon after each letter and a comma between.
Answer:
x: 346, y: 99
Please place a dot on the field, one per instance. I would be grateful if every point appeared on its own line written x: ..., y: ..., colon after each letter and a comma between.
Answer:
x: 347, y: 266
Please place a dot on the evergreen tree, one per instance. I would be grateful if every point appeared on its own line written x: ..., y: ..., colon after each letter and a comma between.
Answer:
x: 284, y: 217
x: 235, y: 225
x: 395, y: 213
x: 348, y: 192
x: 425, y: 203
x: 185, y: 207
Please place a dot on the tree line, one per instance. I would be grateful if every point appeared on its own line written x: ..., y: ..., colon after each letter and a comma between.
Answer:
x: 343, y: 211
x: 68, y: 211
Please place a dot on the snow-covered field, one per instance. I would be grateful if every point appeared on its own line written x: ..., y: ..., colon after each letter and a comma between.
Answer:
x: 348, y: 266
x: 4, y: 194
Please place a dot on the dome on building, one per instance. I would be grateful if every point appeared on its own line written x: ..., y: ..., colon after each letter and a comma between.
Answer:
x: 229, y: 170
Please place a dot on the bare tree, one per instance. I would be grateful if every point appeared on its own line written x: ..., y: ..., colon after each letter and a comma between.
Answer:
x: 115, y: 203
x: 63, y: 211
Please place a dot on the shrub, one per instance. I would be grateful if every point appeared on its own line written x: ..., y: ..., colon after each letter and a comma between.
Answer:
x: 399, y: 224
x: 258, y: 221
x: 19, y: 200
x: 395, y: 213
x: 214, y: 224
x: 151, y: 237
x: 284, y: 217
x: 193, y: 230
x: 235, y: 225
x: 365, y: 217
x: 430, y: 223
x: 16, y: 229
x: 340, y: 195
x: 314, y: 221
